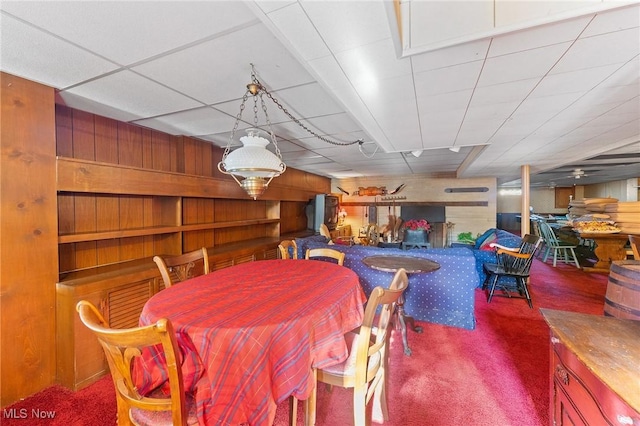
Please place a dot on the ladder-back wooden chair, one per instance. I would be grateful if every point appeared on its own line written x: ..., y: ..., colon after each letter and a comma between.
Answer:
x: 514, y: 263
x: 175, y: 269
x: 288, y: 249
x: 562, y: 251
x: 121, y: 347
x: 325, y: 253
x: 366, y: 368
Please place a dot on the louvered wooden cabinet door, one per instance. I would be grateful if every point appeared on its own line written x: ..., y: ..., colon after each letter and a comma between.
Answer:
x: 124, y: 305
x: 120, y: 297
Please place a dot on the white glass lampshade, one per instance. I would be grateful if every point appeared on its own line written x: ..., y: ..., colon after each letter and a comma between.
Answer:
x: 253, y: 159
x: 254, y: 163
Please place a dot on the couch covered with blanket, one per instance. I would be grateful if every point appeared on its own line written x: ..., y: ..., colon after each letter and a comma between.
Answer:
x: 445, y: 296
x: 484, y: 253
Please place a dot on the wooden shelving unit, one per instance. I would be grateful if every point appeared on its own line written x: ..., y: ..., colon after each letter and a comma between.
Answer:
x: 142, y: 193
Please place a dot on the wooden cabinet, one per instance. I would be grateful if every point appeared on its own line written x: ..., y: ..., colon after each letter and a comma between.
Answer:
x: 595, y: 369
x: 120, y: 292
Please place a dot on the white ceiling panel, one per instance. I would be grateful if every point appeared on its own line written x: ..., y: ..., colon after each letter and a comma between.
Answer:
x: 345, y: 25
x: 544, y: 35
x: 137, y: 95
x: 449, y: 79
x: 434, y: 22
x: 542, y: 89
x: 448, y: 56
x: 504, y: 92
x: 524, y: 65
x: 612, y: 48
x: 613, y: 20
x: 296, y: 27
x: 199, y: 121
x: 184, y: 69
x: 105, y: 27
x: 366, y: 65
x: 50, y: 60
x: 575, y: 81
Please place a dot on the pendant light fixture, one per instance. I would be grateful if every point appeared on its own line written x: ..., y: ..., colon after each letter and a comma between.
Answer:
x: 253, y: 166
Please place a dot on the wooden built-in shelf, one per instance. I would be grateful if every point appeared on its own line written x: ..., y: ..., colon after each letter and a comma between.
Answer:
x: 157, y: 230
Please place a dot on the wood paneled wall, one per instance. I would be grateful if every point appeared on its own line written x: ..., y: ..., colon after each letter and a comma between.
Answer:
x: 28, y: 238
x: 106, y: 203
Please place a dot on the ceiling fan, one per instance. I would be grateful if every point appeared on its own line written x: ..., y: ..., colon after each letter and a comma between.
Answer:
x: 578, y: 173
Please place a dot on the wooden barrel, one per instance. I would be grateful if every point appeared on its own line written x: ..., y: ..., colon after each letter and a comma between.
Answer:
x: 622, y: 299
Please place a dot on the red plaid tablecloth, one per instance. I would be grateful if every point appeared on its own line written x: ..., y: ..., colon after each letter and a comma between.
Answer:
x: 249, y: 334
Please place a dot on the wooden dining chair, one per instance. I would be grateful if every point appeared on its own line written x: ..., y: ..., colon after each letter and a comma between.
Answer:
x: 512, y: 263
x: 175, y: 269
x: 366, y: 368
x: 288, y: 249
x: 562, y: 251
x: 121, y: 347
x: 634, y: 240
x: 325, y: 253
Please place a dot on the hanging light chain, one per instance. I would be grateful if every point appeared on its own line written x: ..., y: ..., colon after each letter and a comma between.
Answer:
x: 271, y: 134
x: 235, y: 126
x: 295, y: 120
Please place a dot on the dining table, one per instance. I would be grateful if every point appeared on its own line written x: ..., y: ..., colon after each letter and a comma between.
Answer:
x: 251, y: 335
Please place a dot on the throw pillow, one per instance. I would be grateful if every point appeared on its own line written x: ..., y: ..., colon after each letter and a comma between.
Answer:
x: 486, y: 243
x: 481, y: 238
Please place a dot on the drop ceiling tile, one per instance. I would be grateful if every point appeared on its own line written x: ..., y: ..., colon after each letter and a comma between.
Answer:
x: 196, y: 71
x: 454, y: 55
x: 614, y: 20
x: 90, y: 105
x: 449, y: 79
x: 194, y: 122
x: 443, y: 102
x: 550, y: 105
x: 514, y: 91
x: 529, y: 64
x: 104, y: 27
x: 518, y: 12
x: 345, y: 25
x: 308, y: 100
x: 497, y: 111
x: 435, y: 22
x: 538, y: 36
x: 612, y: 48
x: 134, y: 94
x: 273, y: 5
x: 296, y: 27
x: 335, y: 123
x: 575, y: 81
x: 50, y: 60
x: 366, y: 65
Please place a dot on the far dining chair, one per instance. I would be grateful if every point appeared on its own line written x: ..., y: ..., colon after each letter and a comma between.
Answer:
x: 366, y: 368
x: 325, y: 253
x: 288, y: 249
x: 562, y: 251
x: 512, y: 263
x: 122, y: 347
x: 634, y: 240
x: 175, y: 269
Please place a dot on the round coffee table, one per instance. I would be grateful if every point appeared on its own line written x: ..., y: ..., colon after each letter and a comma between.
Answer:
x: 412, y: 265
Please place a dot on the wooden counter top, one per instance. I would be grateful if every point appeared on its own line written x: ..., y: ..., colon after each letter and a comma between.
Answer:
x: 609, y: 347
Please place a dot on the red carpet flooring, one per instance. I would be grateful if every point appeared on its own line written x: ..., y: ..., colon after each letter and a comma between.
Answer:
x: 497, y: 374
